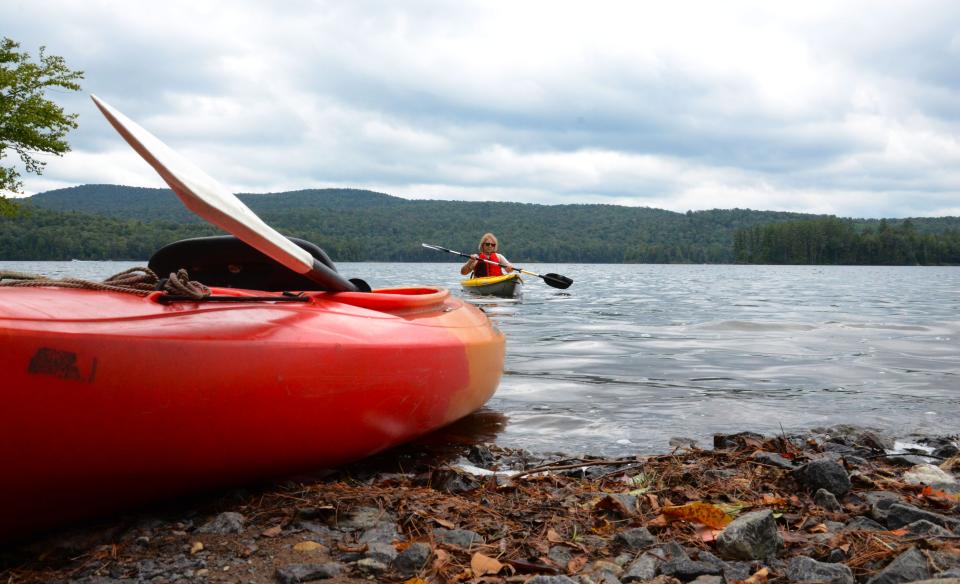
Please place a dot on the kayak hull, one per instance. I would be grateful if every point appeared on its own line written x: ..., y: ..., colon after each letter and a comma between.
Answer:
x: 112, y: 400
x: 505, y: 286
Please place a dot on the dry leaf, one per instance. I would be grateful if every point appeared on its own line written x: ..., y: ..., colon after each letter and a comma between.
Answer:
x: 553, y: 536
x: 196, y: 548
x: 482, y: 565
x: 440, y: 557
x: 759, y: 577
x: 707, y: 534
x: 443, y: 523
x: 272, y: 531
x: 576, y: 564
x: 415, y: 580
x: 699, y: 512
x: 772, y: 500
x: 308, y: 546
x: 658, y: 521
x: 819, y: 528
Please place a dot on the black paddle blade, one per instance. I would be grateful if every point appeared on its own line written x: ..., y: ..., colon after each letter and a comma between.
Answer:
x: 557, y: 281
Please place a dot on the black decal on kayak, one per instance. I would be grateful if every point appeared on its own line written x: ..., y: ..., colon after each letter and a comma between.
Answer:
x: 62, y: 364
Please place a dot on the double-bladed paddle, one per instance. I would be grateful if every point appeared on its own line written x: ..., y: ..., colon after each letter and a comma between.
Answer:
x: 214, y: 203
x: 555, y: 280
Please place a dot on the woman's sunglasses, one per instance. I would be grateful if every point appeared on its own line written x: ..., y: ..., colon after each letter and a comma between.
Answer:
x: 489, y: 243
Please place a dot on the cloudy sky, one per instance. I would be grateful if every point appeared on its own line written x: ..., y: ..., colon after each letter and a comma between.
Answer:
x: 843, y: 107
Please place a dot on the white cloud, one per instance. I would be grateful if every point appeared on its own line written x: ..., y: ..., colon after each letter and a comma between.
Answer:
x: 819, y: 107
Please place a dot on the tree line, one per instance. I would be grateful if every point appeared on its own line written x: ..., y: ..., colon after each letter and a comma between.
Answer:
x: 830, y: 240
x: 100, y: 222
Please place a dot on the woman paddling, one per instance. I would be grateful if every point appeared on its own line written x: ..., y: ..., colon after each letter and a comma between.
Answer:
x: 488, y: 251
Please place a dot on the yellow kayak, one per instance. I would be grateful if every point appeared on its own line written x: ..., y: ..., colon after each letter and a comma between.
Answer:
x: 506, y: 286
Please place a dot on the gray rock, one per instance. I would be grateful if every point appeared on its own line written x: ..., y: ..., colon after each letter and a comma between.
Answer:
x: 736, y: 441
x: 836, y: 555
x: 296, y: 573
x: 224, y: 523
x: 551, y: 580
x: 863, y: 523
x: 906, y: 459
x: 824, y: 474
x: 901, y: 514
x: 462, y: 538
x: 826, y: 500
x: 928, y: 529
x: 371, y: 566
x: 686, y: 569
x: 606, y: 567
x: 733, y: 571
x: 708, y: 580
x: 804, y: 569
x: 364, y: 518
x: 753, y: 536
x: 874, y: 441
x: 946, y: 451
x: 774, y: 459
x: 560, y: 555
x: 381, y: 552
x: 907, y: 567
x: 880, y: 502
x: 643, y: 568
x: 383, y: 532
x: 636, y: 538
x: 413, y: 559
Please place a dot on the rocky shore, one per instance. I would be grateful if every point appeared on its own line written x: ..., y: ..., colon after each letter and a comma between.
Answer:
x: 839, y: 505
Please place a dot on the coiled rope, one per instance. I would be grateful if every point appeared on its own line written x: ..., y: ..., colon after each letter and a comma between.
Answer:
x: 140, y: 281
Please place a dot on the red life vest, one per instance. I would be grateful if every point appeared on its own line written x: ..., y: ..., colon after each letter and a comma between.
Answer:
x: 483, y: 269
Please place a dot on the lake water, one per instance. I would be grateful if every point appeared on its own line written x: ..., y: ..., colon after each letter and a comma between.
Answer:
x: 633, y: 355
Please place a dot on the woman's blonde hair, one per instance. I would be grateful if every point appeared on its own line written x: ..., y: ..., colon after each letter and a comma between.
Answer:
x: 485, y: 237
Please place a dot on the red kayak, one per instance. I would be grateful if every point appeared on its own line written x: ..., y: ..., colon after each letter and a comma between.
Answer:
x: 112, y: 399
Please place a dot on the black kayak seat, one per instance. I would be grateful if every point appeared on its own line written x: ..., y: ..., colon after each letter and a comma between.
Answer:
x: 227, y: 262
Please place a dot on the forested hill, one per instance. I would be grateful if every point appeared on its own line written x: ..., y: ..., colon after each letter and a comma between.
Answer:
x: 117, y: 222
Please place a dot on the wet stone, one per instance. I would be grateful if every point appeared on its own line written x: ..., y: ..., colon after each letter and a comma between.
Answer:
x: 946, y: 451
x: 736, y: 441
x: 774, y: 459
x: 906, y: 460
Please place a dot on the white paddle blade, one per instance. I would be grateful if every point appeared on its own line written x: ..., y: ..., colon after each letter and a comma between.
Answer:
x: 205, y: 196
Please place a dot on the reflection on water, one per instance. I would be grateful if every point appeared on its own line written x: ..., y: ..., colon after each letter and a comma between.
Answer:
x: 632, y: 355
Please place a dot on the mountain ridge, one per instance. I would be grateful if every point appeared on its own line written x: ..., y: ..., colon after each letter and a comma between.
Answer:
x: 121, y: 222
